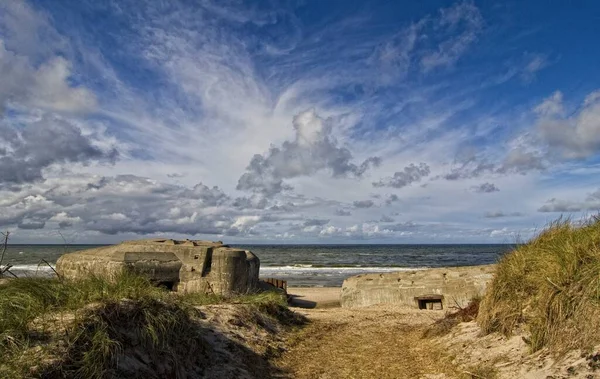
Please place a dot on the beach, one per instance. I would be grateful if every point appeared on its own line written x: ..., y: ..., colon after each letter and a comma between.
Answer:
x: 314, y: 297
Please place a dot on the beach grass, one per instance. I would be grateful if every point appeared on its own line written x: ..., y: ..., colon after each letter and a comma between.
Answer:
x: 60, y: 328
x: 549, y: 288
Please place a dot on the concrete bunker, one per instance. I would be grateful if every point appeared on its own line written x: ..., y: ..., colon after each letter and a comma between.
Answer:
x: 179, y: 265
x: 435, y: 288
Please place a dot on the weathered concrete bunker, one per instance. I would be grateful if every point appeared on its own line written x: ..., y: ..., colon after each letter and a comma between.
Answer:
x: 437, y: 288
x: 183, y: 266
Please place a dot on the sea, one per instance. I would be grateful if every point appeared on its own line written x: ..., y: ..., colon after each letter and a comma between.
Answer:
x: 301, y: 265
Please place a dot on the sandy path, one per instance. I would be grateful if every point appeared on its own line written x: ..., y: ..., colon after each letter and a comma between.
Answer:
x: 374, y: 342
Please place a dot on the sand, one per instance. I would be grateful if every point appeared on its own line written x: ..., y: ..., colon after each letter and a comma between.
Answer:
x: 373, y: 342
x: 314, y: 297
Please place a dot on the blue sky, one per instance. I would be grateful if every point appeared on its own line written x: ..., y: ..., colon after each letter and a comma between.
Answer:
x: 291, y: 122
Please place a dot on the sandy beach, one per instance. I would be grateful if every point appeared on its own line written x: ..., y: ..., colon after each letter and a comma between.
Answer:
x: 314, y: 297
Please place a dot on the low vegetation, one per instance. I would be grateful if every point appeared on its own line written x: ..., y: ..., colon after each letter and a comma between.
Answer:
x: 549, y: 288
x: 98, y: 329
x: 481, y: 371
x: 444, y: 325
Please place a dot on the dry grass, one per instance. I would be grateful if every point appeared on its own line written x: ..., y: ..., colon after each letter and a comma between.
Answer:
x: 550, y: 287
x: 364, y: 344
x: 481, y: 371
x: 443, y: 326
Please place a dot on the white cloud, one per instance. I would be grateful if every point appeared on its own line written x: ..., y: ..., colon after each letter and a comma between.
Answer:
x: 410, y: 174
x: 313, y: 149
x: 573, y: 136
x: 591, y: 203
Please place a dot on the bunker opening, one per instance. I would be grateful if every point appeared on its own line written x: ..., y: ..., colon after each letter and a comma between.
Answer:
x: 432, y: 302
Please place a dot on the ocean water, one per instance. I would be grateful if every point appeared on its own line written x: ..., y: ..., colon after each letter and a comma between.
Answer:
x: 304, y: 265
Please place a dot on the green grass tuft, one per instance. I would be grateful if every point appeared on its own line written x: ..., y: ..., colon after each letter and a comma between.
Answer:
x: 550, y: 287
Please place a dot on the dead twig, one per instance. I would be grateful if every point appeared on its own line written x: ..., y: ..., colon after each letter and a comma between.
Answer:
x: 49, y: 265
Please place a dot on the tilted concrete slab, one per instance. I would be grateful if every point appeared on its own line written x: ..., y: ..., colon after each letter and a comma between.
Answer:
x: 184, y: 266
x: 457, y: 285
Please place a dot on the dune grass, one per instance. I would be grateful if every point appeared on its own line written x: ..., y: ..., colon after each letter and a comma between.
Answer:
x: 92, y: 324
x: 550, y: 287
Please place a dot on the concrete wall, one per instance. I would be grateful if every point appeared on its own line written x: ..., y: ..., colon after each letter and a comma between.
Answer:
x: 458, y: 285
x: 224, y: 270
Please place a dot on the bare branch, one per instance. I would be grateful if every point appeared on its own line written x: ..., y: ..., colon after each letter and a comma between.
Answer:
x: 4, y: 247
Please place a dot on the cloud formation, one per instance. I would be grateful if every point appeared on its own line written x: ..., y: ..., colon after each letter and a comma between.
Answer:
x: 464, y: 15
x: 26, y: 152
x: 363, y: 204
x: 313, y: 149
x: 410, y: 174
x: 591, y: 203
x: 209, y: 98
x: 485, y: 188
x: 572, y: 136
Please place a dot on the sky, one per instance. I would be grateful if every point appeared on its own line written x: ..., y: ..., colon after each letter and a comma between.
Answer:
x: 297, y: 121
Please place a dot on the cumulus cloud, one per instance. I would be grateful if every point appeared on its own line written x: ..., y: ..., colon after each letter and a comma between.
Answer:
x: 26, y: 152
x: 572, y: 136
x: 120, y: 204
x: 313, y: 149
x: 485, y: 188
x: 410, y: 174
x: 46, y: 86
x: 363, y: 203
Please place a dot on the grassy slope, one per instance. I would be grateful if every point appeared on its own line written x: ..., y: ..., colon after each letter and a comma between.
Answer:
x: 550, y: 287
x: 96, y: 329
